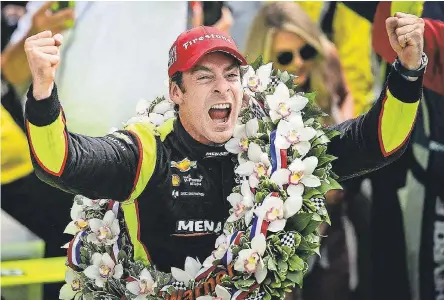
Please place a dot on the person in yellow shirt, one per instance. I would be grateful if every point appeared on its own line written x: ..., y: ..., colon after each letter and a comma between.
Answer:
x: 15, y: 159
x: 44, y: 210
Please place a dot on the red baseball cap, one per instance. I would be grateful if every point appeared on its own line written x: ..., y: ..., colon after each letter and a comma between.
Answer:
x: 190, y: 46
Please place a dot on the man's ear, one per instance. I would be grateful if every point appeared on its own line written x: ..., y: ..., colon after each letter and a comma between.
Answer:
x: 176, y: 93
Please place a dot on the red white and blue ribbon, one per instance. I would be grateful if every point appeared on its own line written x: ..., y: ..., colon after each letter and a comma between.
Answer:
x: 259, y: 226
x: 278, y: 156
x: 74, y: 249
x: 234, y: 240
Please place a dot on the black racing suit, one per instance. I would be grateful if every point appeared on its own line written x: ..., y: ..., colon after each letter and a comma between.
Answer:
x: 175, y: 188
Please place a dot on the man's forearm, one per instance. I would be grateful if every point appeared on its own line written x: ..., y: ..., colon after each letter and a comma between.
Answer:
x: 15, y: 66
x: 380, y: 136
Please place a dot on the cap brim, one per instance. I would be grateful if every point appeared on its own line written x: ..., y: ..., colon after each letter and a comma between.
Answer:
x: 195, y: 59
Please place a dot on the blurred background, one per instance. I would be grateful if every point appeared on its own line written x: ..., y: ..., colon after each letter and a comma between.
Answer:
x: 386, y: 240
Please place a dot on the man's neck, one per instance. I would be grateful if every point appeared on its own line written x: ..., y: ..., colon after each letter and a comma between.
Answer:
x: 196, y: 136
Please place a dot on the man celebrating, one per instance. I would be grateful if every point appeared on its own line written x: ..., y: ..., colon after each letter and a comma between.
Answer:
x: 175, y: 179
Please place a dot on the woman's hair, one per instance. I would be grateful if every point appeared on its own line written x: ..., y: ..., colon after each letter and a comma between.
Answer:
x: 289, y: 16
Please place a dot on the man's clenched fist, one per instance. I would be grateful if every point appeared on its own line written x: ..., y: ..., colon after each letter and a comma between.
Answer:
x: 406, y: 34
x: 43, y: 53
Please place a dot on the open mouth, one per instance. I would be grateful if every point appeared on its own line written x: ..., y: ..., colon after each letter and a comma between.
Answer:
x: 220, y: 113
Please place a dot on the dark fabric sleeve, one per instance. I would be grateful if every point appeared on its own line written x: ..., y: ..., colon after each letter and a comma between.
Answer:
x: 370, y: 141
x: 96, y: 167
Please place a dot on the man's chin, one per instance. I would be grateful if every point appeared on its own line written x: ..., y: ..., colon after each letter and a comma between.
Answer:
x: 221, y: 137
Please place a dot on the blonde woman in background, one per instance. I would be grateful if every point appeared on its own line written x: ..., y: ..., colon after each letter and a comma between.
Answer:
x: 285, y: 35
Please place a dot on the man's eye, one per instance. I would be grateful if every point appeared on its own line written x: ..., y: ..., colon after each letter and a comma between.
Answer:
x: 203, y: 77
x: 234, y: 75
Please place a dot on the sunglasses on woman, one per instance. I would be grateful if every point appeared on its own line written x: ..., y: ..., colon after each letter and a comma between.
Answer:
x: 307, y: 53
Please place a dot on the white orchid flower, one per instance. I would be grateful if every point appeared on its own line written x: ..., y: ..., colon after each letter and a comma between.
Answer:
x: 241, y: 133
x: 192, y: 267
x: 282, y: 106
x: 73, y: 286
x: 298, y: 175
x: 257, y: 166
x: 242, y: 204
x: 221, y: 294
x: 250, y: 260
x: 142, y: 107
x: 90, y: 204
x: 163, y: 107
x: 294, y: 134
x: 78, y: 218
x: 257, y: 81
x: 276, y: 211
x: 102, y: 268
x: 143, y: 286
x: 221, y: 245
x: 104, y: 231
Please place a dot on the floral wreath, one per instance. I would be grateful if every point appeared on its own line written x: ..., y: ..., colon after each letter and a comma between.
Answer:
x: 272, y: 230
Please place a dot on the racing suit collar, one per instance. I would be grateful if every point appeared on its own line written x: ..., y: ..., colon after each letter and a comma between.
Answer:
x: 196, y: 149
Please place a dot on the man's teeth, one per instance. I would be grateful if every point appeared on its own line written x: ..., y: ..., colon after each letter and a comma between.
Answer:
x: 220, y: 106
x: 224, y: 120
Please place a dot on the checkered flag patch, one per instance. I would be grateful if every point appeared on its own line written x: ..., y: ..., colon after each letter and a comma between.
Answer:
x: 256, y: 205
x: 258, y: 296
x: 257, y: 111
x: 318, y: 202
x: 179, y: 285
x: 288, y: 239
x: 274, y: 81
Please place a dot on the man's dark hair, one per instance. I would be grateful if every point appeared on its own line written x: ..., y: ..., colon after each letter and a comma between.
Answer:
x: 177, y: 78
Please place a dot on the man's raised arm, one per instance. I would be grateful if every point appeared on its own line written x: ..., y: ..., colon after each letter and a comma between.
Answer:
x: 380, y: 136
x: 117, y: 166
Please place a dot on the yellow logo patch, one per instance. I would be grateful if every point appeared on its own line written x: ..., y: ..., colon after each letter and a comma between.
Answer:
x: 175, y: 179
x: 184, y: 165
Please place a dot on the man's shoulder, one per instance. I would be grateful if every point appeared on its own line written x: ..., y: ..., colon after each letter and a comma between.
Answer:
x: 147, y: 133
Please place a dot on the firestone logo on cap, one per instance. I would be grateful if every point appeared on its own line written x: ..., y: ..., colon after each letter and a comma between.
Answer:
x: 203, y: 37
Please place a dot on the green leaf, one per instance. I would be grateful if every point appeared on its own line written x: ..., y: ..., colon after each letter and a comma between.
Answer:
x: 288, y: 250
x: 296, y: 263
x: 299, y: 221
x: 326, y: 218
x: 315, y: 221
x: 276, y: 284
x: 310, y: 192
x: 284, y: 76
x: 318, y: 151
x: 297, y: 239
x: 285, y: 256
x: 287, y: 283
x: 296, y: 277
x: 267, y: 296
x: 333, y: 185
x: 244, y: 285
x: 324, y: 159
x: 235, y: 249
x: 260, y: 196
x: 311, y: 97
x: 321, y: 173
x: 282, y: 267
x: 332, y: 133
x: 274, y: 239
x: 257, y: 63
x: 271, y: 264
